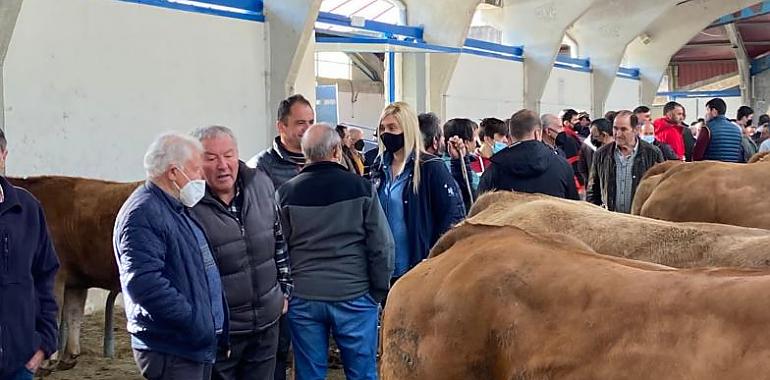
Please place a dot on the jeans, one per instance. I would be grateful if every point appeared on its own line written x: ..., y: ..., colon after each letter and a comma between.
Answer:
x: 252, y: 356
x: 353, y: 324
x: 159, y: 366
x: 22, y: 374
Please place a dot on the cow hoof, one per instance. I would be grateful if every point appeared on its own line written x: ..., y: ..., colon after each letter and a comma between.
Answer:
x: 65, y: 364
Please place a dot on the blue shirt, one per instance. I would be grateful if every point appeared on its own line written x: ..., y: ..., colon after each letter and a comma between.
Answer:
x: 212, y: 276
x: 392, y: 201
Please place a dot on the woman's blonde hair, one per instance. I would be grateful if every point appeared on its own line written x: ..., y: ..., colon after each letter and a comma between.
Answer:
x: 407, y: 120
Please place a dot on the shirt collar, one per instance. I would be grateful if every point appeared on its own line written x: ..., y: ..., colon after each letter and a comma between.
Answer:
x: 633, y: 153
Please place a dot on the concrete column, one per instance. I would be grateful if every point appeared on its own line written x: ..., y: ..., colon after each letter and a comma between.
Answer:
x: 603, y: 33
x: 669, y: 32
x: 444, y: 23
x: 413, y: 86
x: 744, y: 62
x: 539, y: 26
x: 761, y: 85
x: 289, y: 32
x: 9, y: 14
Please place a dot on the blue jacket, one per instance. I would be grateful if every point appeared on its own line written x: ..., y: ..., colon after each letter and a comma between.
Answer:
x: 28, y: 265
x: 435, y: 208
x: 163, y: 278
x: 726, y: 141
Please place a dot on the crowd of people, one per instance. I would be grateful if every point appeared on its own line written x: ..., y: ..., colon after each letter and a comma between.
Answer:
x: 226, y: 264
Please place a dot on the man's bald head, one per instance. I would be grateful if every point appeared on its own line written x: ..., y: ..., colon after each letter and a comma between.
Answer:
x: 321, y: 142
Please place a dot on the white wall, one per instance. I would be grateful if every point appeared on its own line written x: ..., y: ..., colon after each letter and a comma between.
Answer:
x: 696, y: 107
x: 89, y: 83
x: 566, y: 89
x: 364, y: 111
x: 624, y: 95
x: 485, y: 87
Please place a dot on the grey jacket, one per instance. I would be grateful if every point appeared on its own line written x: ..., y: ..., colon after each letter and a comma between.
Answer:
x: 245, y: 251
x: 340, y: 244
x: 601, y: 182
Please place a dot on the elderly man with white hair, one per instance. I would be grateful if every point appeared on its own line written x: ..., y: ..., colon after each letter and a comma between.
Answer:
x: 240, y: 217
x: 175, y: 308
x: 342, y: 258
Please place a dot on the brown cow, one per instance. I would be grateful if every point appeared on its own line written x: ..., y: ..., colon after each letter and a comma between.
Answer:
x: 708, y: 191
x: 80, y: 214
x: 673, y: 244
x: 503, y: 304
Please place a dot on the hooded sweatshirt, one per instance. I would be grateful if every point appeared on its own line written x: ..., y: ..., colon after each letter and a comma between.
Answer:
x: 530, y: 167
x: 671, y: 134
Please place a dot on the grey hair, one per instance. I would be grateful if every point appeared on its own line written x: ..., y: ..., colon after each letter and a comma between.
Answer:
x: 319, y: 146
x: 169, y: 149
x: 213, y: 131
x: 549, y: 119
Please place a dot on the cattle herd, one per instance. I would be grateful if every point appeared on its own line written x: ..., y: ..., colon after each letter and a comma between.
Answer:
x: 530, y: 286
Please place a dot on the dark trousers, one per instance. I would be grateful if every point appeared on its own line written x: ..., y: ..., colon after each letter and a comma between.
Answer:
x: 252, y: 356
x: 159, y: 366
x: 284, y: 345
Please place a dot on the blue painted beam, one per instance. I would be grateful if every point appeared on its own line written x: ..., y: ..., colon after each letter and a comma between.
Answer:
x: 376, y: 26
x: 628, y: 72
x: 205, y: 7
x: 567, y: 61
x: 491, y: 46
x: 745, y: 13
x: 731, y: 92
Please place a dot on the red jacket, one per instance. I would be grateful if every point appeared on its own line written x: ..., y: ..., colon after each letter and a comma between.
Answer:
x: 671, y: 134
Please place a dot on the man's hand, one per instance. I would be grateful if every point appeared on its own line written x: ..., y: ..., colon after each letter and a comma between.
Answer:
x: 285, y: 306
x: 456, y: 147
x: 37, y: 359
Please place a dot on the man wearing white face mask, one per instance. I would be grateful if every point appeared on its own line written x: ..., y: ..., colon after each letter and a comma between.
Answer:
x: 175, y: 308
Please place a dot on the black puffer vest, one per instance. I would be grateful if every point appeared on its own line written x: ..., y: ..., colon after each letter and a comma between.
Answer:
x: 245, y: 253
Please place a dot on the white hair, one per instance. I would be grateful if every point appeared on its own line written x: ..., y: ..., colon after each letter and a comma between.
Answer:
x: 167, y: 150
x: 319, y: 146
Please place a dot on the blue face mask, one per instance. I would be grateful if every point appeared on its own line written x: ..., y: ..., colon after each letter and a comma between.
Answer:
x: 498, y: 147
x: 649, y: 138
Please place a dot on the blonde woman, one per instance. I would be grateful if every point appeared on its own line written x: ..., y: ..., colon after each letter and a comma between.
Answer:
x: 420, y: 198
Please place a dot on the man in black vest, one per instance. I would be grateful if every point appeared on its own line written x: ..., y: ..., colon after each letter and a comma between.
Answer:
x: 241, y: 220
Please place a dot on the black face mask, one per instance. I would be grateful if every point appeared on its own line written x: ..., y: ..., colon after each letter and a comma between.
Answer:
x: 748, y: 123
x: 393, y: 143
x: 596, y: 143
x: 359, y: 145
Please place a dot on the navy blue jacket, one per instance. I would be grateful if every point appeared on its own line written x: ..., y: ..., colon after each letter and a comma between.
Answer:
x: 433, y: 210
x: 28, y: 265
x: 163, y: 278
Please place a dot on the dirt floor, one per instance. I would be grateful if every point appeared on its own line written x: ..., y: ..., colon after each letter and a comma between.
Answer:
x: 92, y: 366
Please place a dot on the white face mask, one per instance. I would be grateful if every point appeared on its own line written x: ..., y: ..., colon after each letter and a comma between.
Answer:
x: 192, y: 192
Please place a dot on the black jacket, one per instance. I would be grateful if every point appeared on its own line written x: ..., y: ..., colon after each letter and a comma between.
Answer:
x: 668, y: 152
x: 601, y: 183
x: 530, y: 167
x: 28, y: 265
x: 245, y: 251
x: 278, y: 163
